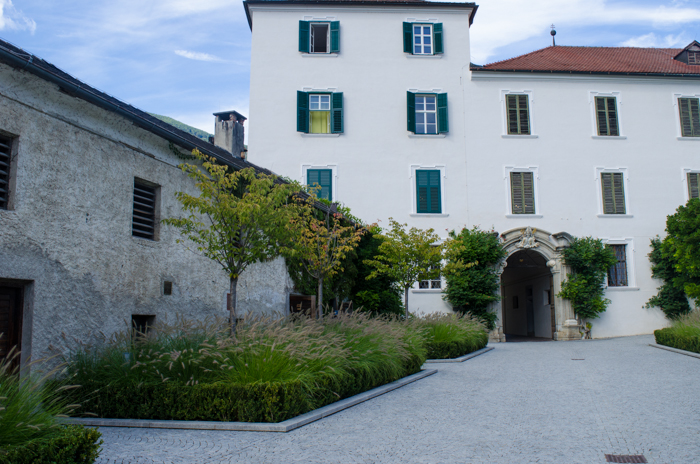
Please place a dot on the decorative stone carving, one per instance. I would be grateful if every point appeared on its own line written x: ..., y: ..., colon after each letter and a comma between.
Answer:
x: 528, y: 239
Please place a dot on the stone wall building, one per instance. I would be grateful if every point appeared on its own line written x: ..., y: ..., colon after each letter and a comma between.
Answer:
x: 79, y: 171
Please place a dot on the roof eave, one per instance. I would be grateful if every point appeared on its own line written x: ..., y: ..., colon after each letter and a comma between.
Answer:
x: 604, y: 73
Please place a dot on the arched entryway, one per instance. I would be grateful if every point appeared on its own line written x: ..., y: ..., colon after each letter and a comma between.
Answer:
x: 526, y: 297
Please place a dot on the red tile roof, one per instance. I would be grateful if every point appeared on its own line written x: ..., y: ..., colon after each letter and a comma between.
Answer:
x: 613, y: 60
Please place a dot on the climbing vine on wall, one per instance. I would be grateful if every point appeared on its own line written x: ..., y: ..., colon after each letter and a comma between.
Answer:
x: 671, y: 297
x: 589, y: 260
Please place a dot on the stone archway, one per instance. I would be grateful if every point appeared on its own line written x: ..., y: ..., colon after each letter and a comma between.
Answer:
x: 548, y: 247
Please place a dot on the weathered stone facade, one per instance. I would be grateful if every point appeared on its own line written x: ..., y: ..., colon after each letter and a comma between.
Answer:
x: 66, y: 238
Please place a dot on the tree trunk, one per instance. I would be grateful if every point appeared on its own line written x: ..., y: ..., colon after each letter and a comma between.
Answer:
x: 405, y: 300
x: 319, y: 303
x: 232, y: 304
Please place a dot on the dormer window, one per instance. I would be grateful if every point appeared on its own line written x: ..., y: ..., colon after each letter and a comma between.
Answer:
x: 693, y: 57
x: 690, y: 55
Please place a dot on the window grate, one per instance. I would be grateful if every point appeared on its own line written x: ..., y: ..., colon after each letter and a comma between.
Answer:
x: 625, y: 458
x: 5, y: 151
x: 617, y: 274
x: 144, y: 219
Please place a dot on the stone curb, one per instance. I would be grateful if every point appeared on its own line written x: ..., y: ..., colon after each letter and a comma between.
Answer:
x: 675, y: 350
x: 286, y: 426
x: 461, y: 358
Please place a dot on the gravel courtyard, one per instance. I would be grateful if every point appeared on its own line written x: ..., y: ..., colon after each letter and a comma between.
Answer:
x: 529, y: 402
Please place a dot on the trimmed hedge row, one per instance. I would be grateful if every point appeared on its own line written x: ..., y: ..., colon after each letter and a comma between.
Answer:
x: 221, y: 401
x: 670, y: 337
x: 457, y: 348
x: 74, y: 445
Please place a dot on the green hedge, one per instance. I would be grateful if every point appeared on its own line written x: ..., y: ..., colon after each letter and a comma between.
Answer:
x: 457, y: 348
x: 221, y: 401
x: 670, y: 337
x: 73, y: 445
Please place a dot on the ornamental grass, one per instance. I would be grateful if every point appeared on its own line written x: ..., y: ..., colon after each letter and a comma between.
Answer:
x: 451, y: 335
x: 683, y: 334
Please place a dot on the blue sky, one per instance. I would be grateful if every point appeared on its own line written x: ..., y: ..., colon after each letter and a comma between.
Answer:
x: 190, y: 58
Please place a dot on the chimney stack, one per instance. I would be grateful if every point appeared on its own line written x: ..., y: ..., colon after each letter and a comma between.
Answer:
x: 229, y: 132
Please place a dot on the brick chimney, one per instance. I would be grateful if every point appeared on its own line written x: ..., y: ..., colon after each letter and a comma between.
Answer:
x: 229, y: 132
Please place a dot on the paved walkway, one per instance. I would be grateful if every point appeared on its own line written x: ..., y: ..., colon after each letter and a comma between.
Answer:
x: 520, y: 403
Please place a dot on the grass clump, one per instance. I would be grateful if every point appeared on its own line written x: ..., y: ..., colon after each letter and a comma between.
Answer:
x: 683, y: 334
x: 451, y: 335
x: 31, y: 409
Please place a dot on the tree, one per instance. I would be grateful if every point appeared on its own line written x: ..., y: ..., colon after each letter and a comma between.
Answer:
x: 321, y: 239
x: 407, y: 257
x: 590, y: 261
x: 470, y: 272
x: 671, y: 297
x: 683, y: 243
x: 239, y: 217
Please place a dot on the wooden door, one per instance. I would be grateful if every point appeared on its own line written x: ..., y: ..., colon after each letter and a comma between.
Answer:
x: 10, y: 319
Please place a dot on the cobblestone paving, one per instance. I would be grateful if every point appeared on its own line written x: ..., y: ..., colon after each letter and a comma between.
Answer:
x: 520, y: 403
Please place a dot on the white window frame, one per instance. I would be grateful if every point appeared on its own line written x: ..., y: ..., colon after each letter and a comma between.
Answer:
x: 413, y: 39
x: 599, y: 194
x: 443, y: 283
x: 530, y: 111
x: 594, y: 115
x: 535, y: 170
x: 426, y: 112
x: 328, y: 37
x: 684, y: 181
x: 330, y: 104
x: 677, y: 112
x: 334, y: 174
x: 629, y: 254
x: 412, y: 180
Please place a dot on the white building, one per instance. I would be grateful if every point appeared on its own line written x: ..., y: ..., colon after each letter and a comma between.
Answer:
x: 377, y: 102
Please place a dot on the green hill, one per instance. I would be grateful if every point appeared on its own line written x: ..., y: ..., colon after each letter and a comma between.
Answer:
x: 184, y: 127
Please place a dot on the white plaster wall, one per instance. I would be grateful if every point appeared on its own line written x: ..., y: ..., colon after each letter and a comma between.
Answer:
x: 372, y: 159
x: 566, y: 156
x: 69, y: 231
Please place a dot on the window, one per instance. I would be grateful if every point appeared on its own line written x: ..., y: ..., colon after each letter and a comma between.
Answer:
x: 167, y: 287
x: 693, y: 57
x: 320, y: 113
x: 613, y: 192
x: 606, y: 115
x: 693, y: 182
x: 141, y: 325
x: 518, y: 114
x: 427, y: 113
x: 690, y: 116
x: 319, y: 37
x: 322, y: 178
x: 422, y: 39
x: 430, y: 284
x: 5, y: 165
x: 428, y: 191
x: 522, y: 189
x: 617, y: 274
x: 144, y: 222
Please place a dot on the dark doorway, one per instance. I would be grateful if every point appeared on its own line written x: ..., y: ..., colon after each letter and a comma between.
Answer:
x: 10, y: 319
x: 526, y: 289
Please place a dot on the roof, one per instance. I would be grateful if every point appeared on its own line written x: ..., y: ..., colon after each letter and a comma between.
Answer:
x: 364, y: 3
x: 598, y: 60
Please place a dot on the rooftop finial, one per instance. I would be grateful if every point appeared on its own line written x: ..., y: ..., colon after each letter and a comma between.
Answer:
x: 553, y: 32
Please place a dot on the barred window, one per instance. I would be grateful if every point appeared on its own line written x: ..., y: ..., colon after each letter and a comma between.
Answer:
x: 5, y: 165
x: 617, y: 274
x: 428, y: 284
x: 144, y: 223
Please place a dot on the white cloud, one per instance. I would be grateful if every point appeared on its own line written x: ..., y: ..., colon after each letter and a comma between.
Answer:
x: 198, y: 56
x: 653, y: 40
x: 13, y: 19
x: 502, y: 22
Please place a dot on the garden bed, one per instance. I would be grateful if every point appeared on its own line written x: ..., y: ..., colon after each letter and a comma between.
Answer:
x: 684, y: 333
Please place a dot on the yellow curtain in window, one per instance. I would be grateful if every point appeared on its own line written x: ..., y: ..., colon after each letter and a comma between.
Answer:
x: 320, y: 122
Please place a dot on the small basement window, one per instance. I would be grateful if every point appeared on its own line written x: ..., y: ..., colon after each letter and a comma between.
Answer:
x: 144, y: 222
x: 167, y: 288
x: 142, y: 324
x: 5, y: 164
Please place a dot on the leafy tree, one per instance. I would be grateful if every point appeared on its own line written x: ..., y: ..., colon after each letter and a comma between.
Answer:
x: 589, y: 260
x: 671, y: 297
x: 407, y: 257
x: 683, y: 243
x: 239, y: 217
x: 470, y: 272
x: 320, y: 242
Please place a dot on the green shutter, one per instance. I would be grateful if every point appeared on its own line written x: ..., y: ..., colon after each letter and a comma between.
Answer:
x: 693, y: 185
x: 443, y: 123
x: 322, y: 178
x: 304, y: 36
x: 411, y: 111
x: 408, y: 38
x: 337, y: 113
x: 518, y: 114
x: 302, y: 112
x: 606, y: 111
x: 335, y: 36
x: 522, y: 192
x: 690, y: 116
x: 428, y: 191
x: 437, y: 37
x: 613, y: 192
